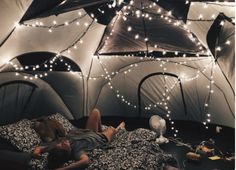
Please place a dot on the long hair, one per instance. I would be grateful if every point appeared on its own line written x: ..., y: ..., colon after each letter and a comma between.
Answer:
x: 57, y: 157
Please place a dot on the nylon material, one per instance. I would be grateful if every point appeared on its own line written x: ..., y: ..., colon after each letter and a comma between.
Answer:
x: 158, y: 31
x: 8, y: 18
x: 44, y: 100
x: 221, y: 115
x: 152, y: 92
x: 23, y: 97
x: 122, y: 63
x: 195, y: 95
x: 176, y: 102
x: 194, y: 91
x: 47, y: 102
x: 120, y: 35
x: 15, y: 100
x: 110, y: 105
x: 23, y: 39
x: 37, y: 8
x: 224, y: 88
x: 226, y: 57
x: 71, y: 92
x: 200, y: 28
x: 95, y: 89
x: 83, y: 55
x: 68, y: 16
x: 97, y: 69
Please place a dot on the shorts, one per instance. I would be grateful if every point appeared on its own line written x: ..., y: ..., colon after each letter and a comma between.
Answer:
x: 103, y: 137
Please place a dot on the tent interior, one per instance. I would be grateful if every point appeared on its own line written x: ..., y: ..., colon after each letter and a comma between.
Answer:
x: 131, y: 59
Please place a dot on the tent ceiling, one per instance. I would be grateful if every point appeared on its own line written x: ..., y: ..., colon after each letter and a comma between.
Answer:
x: 45, y: 8
x: 10, y: 14
x: 142, y: 28
x: 76, y: 34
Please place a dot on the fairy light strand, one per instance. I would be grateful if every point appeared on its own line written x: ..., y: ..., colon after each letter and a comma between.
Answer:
x: 52, y: 60
x: 206, y: 109
x: 201, y: 48
x: 40, y: 24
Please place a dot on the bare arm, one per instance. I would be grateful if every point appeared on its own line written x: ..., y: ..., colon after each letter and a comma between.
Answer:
x: 84, y: 160
x: 38, y: 151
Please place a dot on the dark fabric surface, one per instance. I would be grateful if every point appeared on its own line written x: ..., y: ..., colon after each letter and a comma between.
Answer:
x: 14, y: 159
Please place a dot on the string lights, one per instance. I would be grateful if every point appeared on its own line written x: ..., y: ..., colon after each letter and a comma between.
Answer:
x: 208, y: 99
x: 131, y: 11
x: 40, y: 24
x: 165, y: 15
x: 48, y: 64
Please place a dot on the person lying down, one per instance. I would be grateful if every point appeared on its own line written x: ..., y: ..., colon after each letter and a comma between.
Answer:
x: 75, y: 144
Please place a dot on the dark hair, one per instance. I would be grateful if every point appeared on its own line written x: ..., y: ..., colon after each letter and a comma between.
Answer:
x: 57, y: 157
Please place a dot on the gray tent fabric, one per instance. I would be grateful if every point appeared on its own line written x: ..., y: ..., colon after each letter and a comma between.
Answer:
x: 152, y: 32
x: 8, y: 22
x: 112, y: 67
x: 221, y: 39
x: 20, y: 98
x: 202, y: 15
x: 15, y: 97
x: 40, y: 9
x: 195, y: 91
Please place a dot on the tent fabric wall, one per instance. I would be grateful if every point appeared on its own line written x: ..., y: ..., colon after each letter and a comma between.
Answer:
x: 163, y: 35
x: 208, y: 11
x: 195, y: 91
x: 70, y: 87
x: 22, y: 39
x: 10, y: 14
x: 105, y: 79
x: 221, y: 39
x: 15, y: 97
x: 44, y: 100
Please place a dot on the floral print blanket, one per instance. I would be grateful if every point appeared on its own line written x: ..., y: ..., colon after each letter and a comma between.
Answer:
x: 131, y: 150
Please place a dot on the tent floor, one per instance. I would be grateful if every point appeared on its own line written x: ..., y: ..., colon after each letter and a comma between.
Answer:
x: 192, y: 133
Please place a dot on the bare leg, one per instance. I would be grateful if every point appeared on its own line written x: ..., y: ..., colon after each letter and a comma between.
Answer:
x: 120, y: 126
x: 94, y: 121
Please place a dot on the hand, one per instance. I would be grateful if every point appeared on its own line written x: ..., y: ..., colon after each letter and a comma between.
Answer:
x: 38, y: 151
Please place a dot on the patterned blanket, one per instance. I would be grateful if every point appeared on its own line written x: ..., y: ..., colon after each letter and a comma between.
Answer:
x: 129, y: 150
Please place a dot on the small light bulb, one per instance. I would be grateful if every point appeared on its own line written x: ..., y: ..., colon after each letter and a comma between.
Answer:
x: 129, y: 28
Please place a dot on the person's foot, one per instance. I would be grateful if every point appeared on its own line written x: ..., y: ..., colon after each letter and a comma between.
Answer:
x: 120, y: 126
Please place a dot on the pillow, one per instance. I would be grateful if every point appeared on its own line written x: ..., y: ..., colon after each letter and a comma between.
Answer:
x: 48, y: 129
x: 21, y: 135
x: 63, y: 121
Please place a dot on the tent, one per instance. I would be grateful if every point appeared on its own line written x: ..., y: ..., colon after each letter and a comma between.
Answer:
x: 128, y: 58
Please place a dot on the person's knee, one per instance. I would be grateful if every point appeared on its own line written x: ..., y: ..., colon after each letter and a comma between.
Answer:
x: 95, y: 113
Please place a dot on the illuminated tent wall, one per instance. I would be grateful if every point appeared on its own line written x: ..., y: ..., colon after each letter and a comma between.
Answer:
x: 147, y: 58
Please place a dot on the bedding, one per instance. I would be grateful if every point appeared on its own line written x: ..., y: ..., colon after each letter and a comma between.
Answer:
x: 131, y: 150
x: 21, y: 135
x: 135, y: 149
x: 63, y: 121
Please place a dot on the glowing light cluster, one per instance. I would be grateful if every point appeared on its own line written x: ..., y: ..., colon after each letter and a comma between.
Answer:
x: 127, y: 11
x: 161, y: 14
x: 55, y: 24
